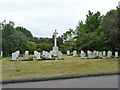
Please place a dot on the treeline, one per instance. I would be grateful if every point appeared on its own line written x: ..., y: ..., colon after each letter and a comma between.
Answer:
x: 97, y: 32
x: 21, y: 39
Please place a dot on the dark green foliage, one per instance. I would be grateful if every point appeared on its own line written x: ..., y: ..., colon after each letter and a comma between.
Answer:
x: 14, y: 39
x: 98, y: 32
x: 111, y: 28
x: 26, y: 33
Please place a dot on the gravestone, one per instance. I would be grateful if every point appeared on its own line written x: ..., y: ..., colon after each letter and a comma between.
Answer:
x: 1, y: 53
x: 68, y: 52
x: 104, y: 53
x: 26, y: 54
x: 116, y: 54
x: 93, y: 56
x: 49, y: 55
x: 43, y: 53
x: 17, y: 53
x: 59, y: 55
x: 109, y: 54
x: 89, y: 54
x: 38, y: 55
x: 35, y: 53
x: 97, y: 53
x: 46, y: 54
x: 100, y: 55
x: 74, y: 53
x: 13, y: 56
x: 82, y: 54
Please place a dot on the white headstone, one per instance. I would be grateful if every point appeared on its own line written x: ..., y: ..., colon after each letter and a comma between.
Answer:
x: 46, y: 54
x: 38, y: 55
x: 1, y: 53
x: 26, y: 54
x: 109, y: 54
x: 43, y: 53
x: 17, y: 53
x: 93, y: 56
x: 35, y: 53
x: 60, y: 55
x: 116, y: 54
x: 89, y: 54
x: 74, y: 53
x: 13, y: 56
x: 97, y: 53
x: 82, y: 54
x: 68, y: 52
x: 104, y: 53
x: 100, y: 55
x: 49, y: 55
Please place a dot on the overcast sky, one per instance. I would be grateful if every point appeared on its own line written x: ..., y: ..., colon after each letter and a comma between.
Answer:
x: 42, y: 17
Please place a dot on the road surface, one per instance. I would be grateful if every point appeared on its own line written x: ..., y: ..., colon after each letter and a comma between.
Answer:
x: 110, y: 81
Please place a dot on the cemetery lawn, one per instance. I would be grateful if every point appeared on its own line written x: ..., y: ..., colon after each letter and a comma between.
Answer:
x: 49, y: 68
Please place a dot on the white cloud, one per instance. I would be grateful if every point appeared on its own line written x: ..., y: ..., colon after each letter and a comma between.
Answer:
x: 42, y: 17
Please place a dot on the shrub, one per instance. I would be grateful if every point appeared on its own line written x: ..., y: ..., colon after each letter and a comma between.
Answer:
x: 20, y: 58
x: 31, y: 57
x: 96, y: 57
x: 21, y: 55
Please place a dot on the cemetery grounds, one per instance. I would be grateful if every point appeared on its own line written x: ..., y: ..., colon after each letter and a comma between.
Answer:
x: 49, y: 68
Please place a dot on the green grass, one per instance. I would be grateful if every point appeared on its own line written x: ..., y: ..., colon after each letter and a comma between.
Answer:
x: 48, y: 68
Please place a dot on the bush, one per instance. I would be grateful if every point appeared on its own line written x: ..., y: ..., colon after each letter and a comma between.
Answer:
x: 31, y: 57
x: 96, y: 57
x: 20, y: 58
x: 0, y: 57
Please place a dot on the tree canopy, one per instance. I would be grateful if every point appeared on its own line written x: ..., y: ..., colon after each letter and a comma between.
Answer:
x: 97, y: 32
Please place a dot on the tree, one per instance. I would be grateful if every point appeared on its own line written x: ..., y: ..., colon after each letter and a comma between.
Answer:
x: 89, y: 35
x: 68, y: 38
x: 111, y: 28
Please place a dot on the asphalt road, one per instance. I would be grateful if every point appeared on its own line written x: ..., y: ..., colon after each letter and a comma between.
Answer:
x: 110, y: 81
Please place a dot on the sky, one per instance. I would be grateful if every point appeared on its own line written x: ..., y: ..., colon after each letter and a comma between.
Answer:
x: 42, y: 17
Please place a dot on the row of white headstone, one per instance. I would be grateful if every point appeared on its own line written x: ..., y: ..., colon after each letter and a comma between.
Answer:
x: 94, y: 54
x: 17, y: 53
x: 37, y: 54
x: 51, y: 53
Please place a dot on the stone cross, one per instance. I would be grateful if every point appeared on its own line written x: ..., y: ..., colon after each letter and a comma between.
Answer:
x: 55, y: 41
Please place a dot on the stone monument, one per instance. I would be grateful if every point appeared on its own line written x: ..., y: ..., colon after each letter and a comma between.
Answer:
x: 55, y: 50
